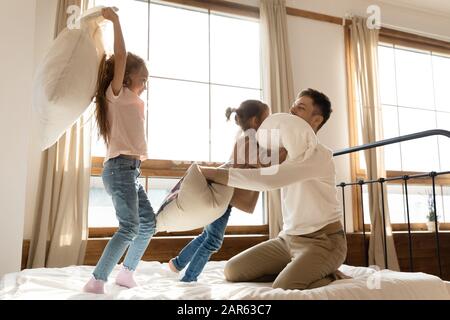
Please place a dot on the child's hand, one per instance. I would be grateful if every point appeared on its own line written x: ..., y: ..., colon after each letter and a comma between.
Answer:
x: 283, y: 155
x: 109, y: 14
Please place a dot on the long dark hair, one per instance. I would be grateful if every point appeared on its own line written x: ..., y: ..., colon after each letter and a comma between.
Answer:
x: 105, y: 76
x: 247, y: 110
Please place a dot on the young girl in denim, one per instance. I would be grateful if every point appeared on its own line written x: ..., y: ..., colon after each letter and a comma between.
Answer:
x: 249, y: 115
x: 120, y: 115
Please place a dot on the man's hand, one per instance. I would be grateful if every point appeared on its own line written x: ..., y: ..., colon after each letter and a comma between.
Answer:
x: 109, y: 14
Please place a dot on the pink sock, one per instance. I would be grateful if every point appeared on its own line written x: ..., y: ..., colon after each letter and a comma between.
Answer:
x: 125, y: 278
x: 95, y: 286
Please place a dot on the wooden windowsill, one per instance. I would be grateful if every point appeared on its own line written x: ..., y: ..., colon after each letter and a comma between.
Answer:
x: 401, y: 232
x: 156, y: 168
x: 95, y: 233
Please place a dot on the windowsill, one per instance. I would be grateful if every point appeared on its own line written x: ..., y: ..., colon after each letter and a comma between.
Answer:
x: 402, y: 232
x: 251, y: 230
x: 194, y: 236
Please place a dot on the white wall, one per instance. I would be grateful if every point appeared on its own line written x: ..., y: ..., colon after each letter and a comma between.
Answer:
x: 318, y: 61
x: 391, y: 15
x: 16, y: 68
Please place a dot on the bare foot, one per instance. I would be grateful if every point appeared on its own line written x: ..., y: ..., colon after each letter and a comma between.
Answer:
x: 172, y: 267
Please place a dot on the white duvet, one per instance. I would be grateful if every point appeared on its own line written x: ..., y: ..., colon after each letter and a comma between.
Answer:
x: 157, y: 282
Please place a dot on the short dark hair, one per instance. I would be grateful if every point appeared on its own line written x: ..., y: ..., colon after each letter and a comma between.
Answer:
x: 320, y: 101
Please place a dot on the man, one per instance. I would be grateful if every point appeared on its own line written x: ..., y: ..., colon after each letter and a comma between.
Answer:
x: 312, y: 245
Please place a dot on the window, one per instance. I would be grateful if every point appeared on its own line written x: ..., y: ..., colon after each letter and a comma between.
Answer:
x: 414, y: 97
x: 201, y: 62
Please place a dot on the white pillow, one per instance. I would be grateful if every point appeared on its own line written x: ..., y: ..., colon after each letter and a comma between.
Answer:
x: 66, y: 80
x: 193, y: 203
x: 288, y: 131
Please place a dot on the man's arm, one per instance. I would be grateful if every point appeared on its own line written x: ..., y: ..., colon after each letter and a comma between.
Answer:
x: 274, y: 177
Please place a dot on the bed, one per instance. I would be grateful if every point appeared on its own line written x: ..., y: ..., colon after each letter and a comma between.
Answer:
x: 157, y: 282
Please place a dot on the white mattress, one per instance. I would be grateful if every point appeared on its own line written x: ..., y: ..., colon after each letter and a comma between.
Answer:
x: 157, y: 282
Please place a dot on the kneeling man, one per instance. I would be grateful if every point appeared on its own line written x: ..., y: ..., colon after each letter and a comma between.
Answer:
x: 312, y: 245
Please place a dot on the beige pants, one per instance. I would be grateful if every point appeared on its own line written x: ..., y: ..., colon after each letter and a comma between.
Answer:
x: 292, y: 262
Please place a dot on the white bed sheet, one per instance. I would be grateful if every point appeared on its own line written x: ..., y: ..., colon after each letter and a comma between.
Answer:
x: 158, y: 282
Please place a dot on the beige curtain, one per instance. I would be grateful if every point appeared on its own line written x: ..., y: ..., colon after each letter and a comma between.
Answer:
x: 278, y: 85
x: 364, y: 62
x: 60, y: 227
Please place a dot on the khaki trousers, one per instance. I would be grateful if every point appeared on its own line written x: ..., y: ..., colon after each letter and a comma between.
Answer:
x: 292, y: 262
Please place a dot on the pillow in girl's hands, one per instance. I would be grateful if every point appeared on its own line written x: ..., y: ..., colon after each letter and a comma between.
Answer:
x: 193, y: 203
x: 66, y: 79
x: 288, y: 131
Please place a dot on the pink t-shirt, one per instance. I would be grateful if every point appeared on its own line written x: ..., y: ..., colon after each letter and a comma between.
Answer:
x: 126, y: 116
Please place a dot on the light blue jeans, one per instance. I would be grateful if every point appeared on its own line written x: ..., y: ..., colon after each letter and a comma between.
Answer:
x: 137, y: 222
x: 199, y: 250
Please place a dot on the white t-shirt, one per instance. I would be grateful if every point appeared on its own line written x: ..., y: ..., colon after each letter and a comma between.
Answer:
x: 308, y: 190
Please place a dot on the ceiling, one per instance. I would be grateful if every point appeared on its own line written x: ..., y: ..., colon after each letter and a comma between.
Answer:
x: 440, y: 7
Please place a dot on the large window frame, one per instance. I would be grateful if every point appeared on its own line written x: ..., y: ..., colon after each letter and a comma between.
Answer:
x: 153, y: 168
x: 396, y: 38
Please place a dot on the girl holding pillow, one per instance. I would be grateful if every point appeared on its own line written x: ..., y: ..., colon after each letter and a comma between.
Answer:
x: 120, y: 117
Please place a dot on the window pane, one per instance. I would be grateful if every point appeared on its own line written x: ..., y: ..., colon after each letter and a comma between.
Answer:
x: 179, y: 43
x: 134, y: 17
x: 418, y: 202
x: 223, y: 133
x: 445, y: 216
x: 443, y: 122
x: 158, y: 189
x: 235, y: 52
x: 362, y: 161
x: 101, y: 209
x: 441, y: 72
x: 366, y: 204
x: 421, y: 154
x: 396, y: 203
x: 414, y: 79
x: 390, y: 129
x: 387, y: 75
x: 418, y: 196
x: 101, y: 212
x: 98, y: 147
x: 240, y: 218
x: 178, y: 120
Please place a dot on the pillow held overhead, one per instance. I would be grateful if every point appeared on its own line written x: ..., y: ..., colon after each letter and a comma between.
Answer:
x: 66, y: 79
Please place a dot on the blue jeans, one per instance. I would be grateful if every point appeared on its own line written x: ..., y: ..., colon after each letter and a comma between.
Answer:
x: 136, y: 217
x: 199, y: 250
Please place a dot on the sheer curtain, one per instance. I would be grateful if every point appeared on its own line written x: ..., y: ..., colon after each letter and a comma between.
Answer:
x: 278, y: 85
x: 364, y: 65
x: 60, y: 227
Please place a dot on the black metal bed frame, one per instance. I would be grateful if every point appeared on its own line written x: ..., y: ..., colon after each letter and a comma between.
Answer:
x: 405, y: 180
